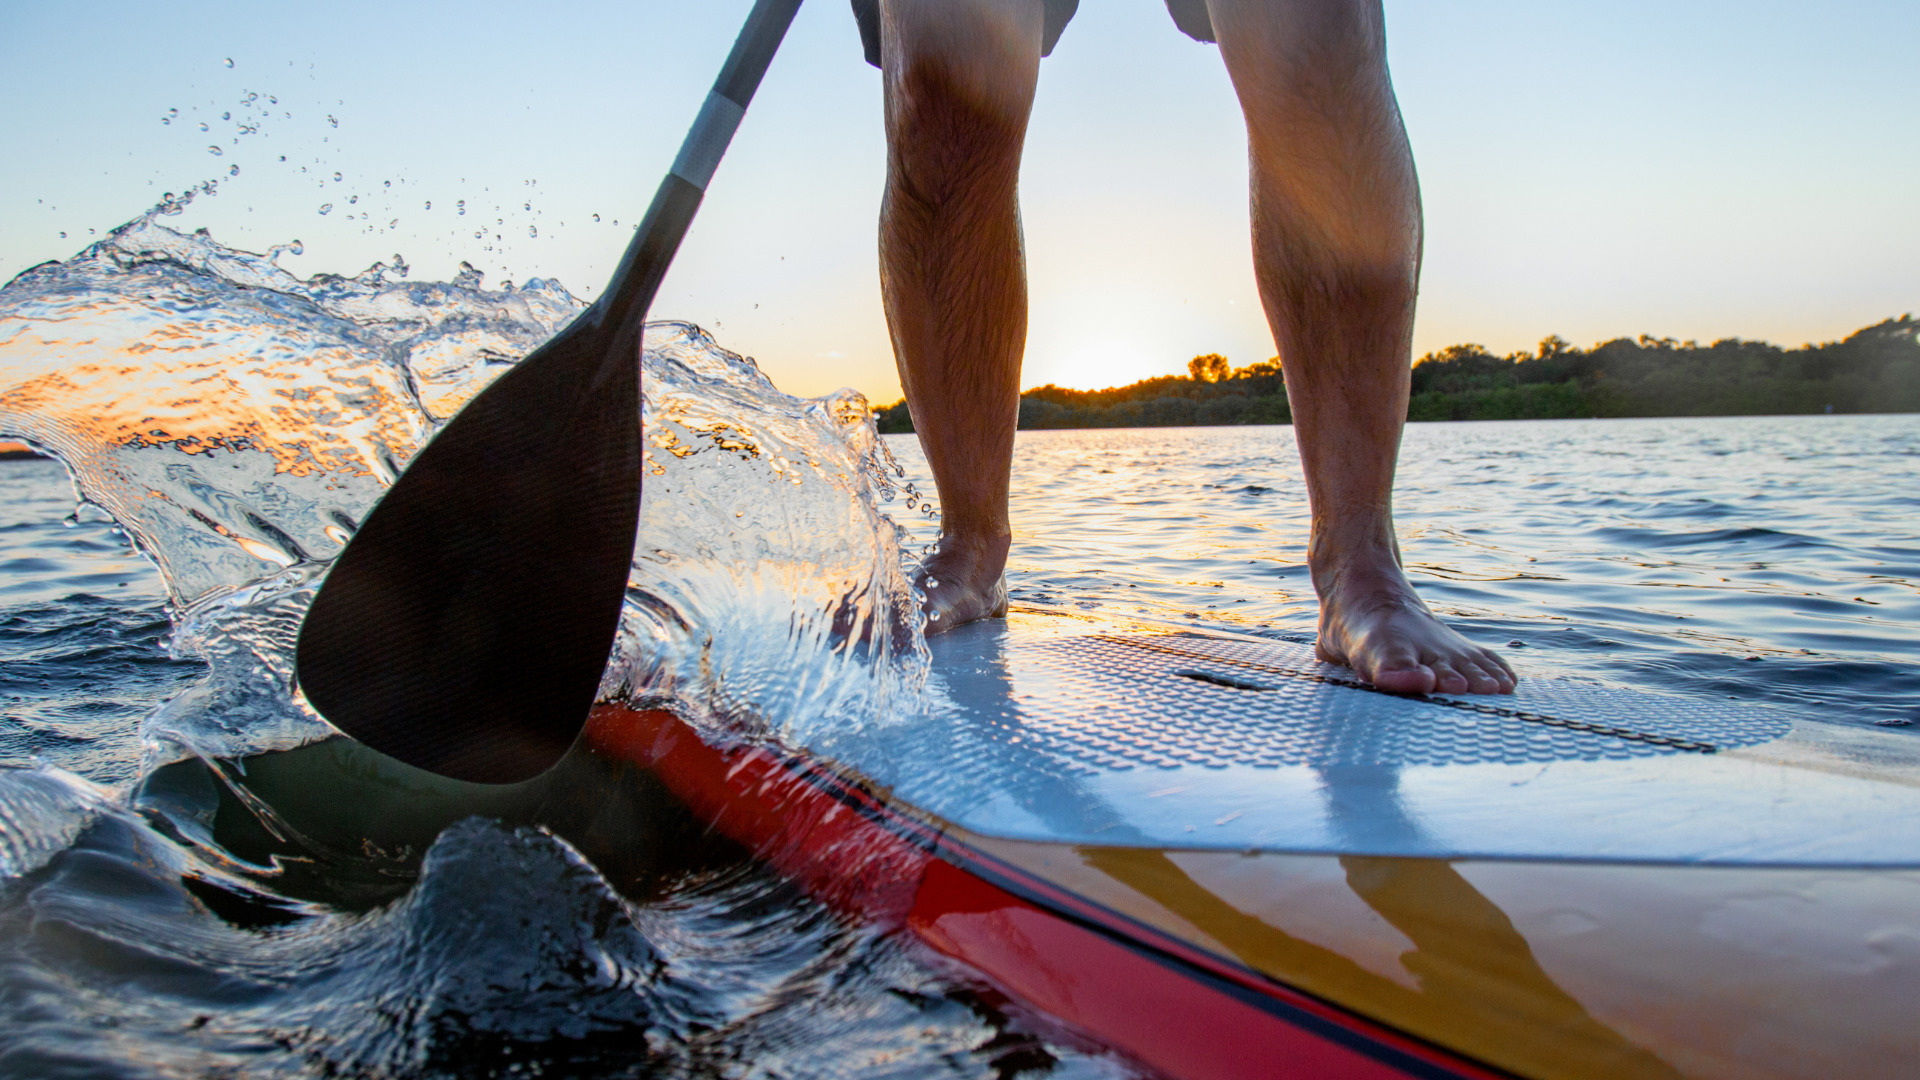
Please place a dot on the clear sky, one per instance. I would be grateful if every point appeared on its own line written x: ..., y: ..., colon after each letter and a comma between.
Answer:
x: 1686, y: 169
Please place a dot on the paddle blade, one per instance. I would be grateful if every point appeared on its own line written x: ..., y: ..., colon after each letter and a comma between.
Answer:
x: 465, y: 627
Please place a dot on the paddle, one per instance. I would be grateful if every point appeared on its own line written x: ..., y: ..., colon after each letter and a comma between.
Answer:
x: 465, y: 627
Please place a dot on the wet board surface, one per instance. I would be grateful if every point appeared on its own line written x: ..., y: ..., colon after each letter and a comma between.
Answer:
x: 1068, y: 729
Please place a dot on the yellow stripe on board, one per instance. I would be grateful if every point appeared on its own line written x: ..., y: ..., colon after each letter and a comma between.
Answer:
x: 1552, y: 969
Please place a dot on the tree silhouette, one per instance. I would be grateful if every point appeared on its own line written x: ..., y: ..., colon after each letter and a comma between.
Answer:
x: 1209, y: 368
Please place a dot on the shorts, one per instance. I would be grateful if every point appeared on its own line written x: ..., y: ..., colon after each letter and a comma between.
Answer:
x: 1189, y: 15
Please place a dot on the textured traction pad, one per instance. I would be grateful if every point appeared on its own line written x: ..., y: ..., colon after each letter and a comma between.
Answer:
x: 1119, y: 701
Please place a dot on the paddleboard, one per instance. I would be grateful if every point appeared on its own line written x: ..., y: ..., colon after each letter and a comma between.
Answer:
x: 1222, y: 858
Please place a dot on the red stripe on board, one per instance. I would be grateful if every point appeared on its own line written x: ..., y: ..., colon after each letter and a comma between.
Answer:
x: 1415, y: 1057
x: 1089, y: 968
x: 773, y: 807
x: 1169, y: 1022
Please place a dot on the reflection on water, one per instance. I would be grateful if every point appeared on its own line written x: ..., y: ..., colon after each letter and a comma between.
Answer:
x: 602, y: 935
x: 1772, y: 558
x: 251, y: 896
x: 193, y: 883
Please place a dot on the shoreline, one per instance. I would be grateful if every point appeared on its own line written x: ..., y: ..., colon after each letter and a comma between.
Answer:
x: 1874, y: 371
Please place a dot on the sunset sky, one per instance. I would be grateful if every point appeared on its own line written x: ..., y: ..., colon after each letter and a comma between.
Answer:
x: 1686, y: 169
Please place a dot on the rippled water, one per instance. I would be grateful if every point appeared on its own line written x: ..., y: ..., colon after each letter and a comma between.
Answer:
x: 1770, y: 558
x: 190, y: 883
x: 196, y: 880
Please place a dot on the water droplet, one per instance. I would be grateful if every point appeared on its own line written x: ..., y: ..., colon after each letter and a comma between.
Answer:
x: 215, y: 151
x: 531, y: 231
x: 393, y: 223
x: 462, y: 206
x: 596, y: 217
x: 333, y: 122
x: 336, y: 178
x: 283, y: 157
x: 63, y: 236
x: 233, y: 171
x: 353, y: 200
x: 529, y: 206
x: 477, y: 235
x: 166, y: 119
x: 326, y: 208
x: 271, y: 100
x: 171, y: 113
x: 229, y: 61
x: 204, y: 127
x: 429, y: 204
x: 226, y: 116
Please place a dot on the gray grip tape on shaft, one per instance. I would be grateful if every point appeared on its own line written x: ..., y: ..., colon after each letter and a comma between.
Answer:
x: 712, y: 131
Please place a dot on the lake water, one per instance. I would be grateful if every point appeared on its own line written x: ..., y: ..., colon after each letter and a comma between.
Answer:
x: 1773, y: 558
x: 1660, y: 554
x: 191, y: 885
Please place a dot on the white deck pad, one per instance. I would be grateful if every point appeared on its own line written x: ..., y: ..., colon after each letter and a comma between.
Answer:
x: 1071, y: 729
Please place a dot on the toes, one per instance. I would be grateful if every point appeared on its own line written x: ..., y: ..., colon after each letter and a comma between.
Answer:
x: 1503, y: 673
x: 1411, y: 679
x: 1395, y: 669
x: 1488, y: 673
x: 1449, y: 681
x: 1478, y: 679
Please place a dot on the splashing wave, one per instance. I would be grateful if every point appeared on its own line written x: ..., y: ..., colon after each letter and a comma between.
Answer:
x: 240, y: 422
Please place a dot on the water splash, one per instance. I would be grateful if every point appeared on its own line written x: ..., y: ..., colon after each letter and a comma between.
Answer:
x: 42, y: 810
x: 240, y: 422
x: 767, y: 590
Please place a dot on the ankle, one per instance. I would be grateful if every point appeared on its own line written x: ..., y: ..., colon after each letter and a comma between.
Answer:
x: 992, y: 544
x: 969, y: 558
x: 1358, y: 553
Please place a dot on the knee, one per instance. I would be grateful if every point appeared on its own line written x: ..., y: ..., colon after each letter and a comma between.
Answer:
x: 1289, y: 42
x: 960, y: 74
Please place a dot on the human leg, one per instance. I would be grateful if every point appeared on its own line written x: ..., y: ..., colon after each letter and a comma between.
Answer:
x: 959, y: 79
x: 1336, y: 238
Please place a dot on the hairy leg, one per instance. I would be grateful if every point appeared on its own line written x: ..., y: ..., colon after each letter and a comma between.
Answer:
x: 1336, y: 238
x: 959, y: 78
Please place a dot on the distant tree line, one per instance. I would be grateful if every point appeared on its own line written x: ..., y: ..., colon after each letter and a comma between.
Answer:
x: 1213, y: 392
x: 1876, y: 370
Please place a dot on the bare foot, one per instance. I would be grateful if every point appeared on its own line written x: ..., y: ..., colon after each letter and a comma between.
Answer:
x: 965, y: 580
x: 1372, y: 621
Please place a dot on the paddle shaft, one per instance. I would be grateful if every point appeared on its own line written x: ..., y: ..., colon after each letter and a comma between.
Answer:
x: 466, y: 627
x: 645, y: 263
